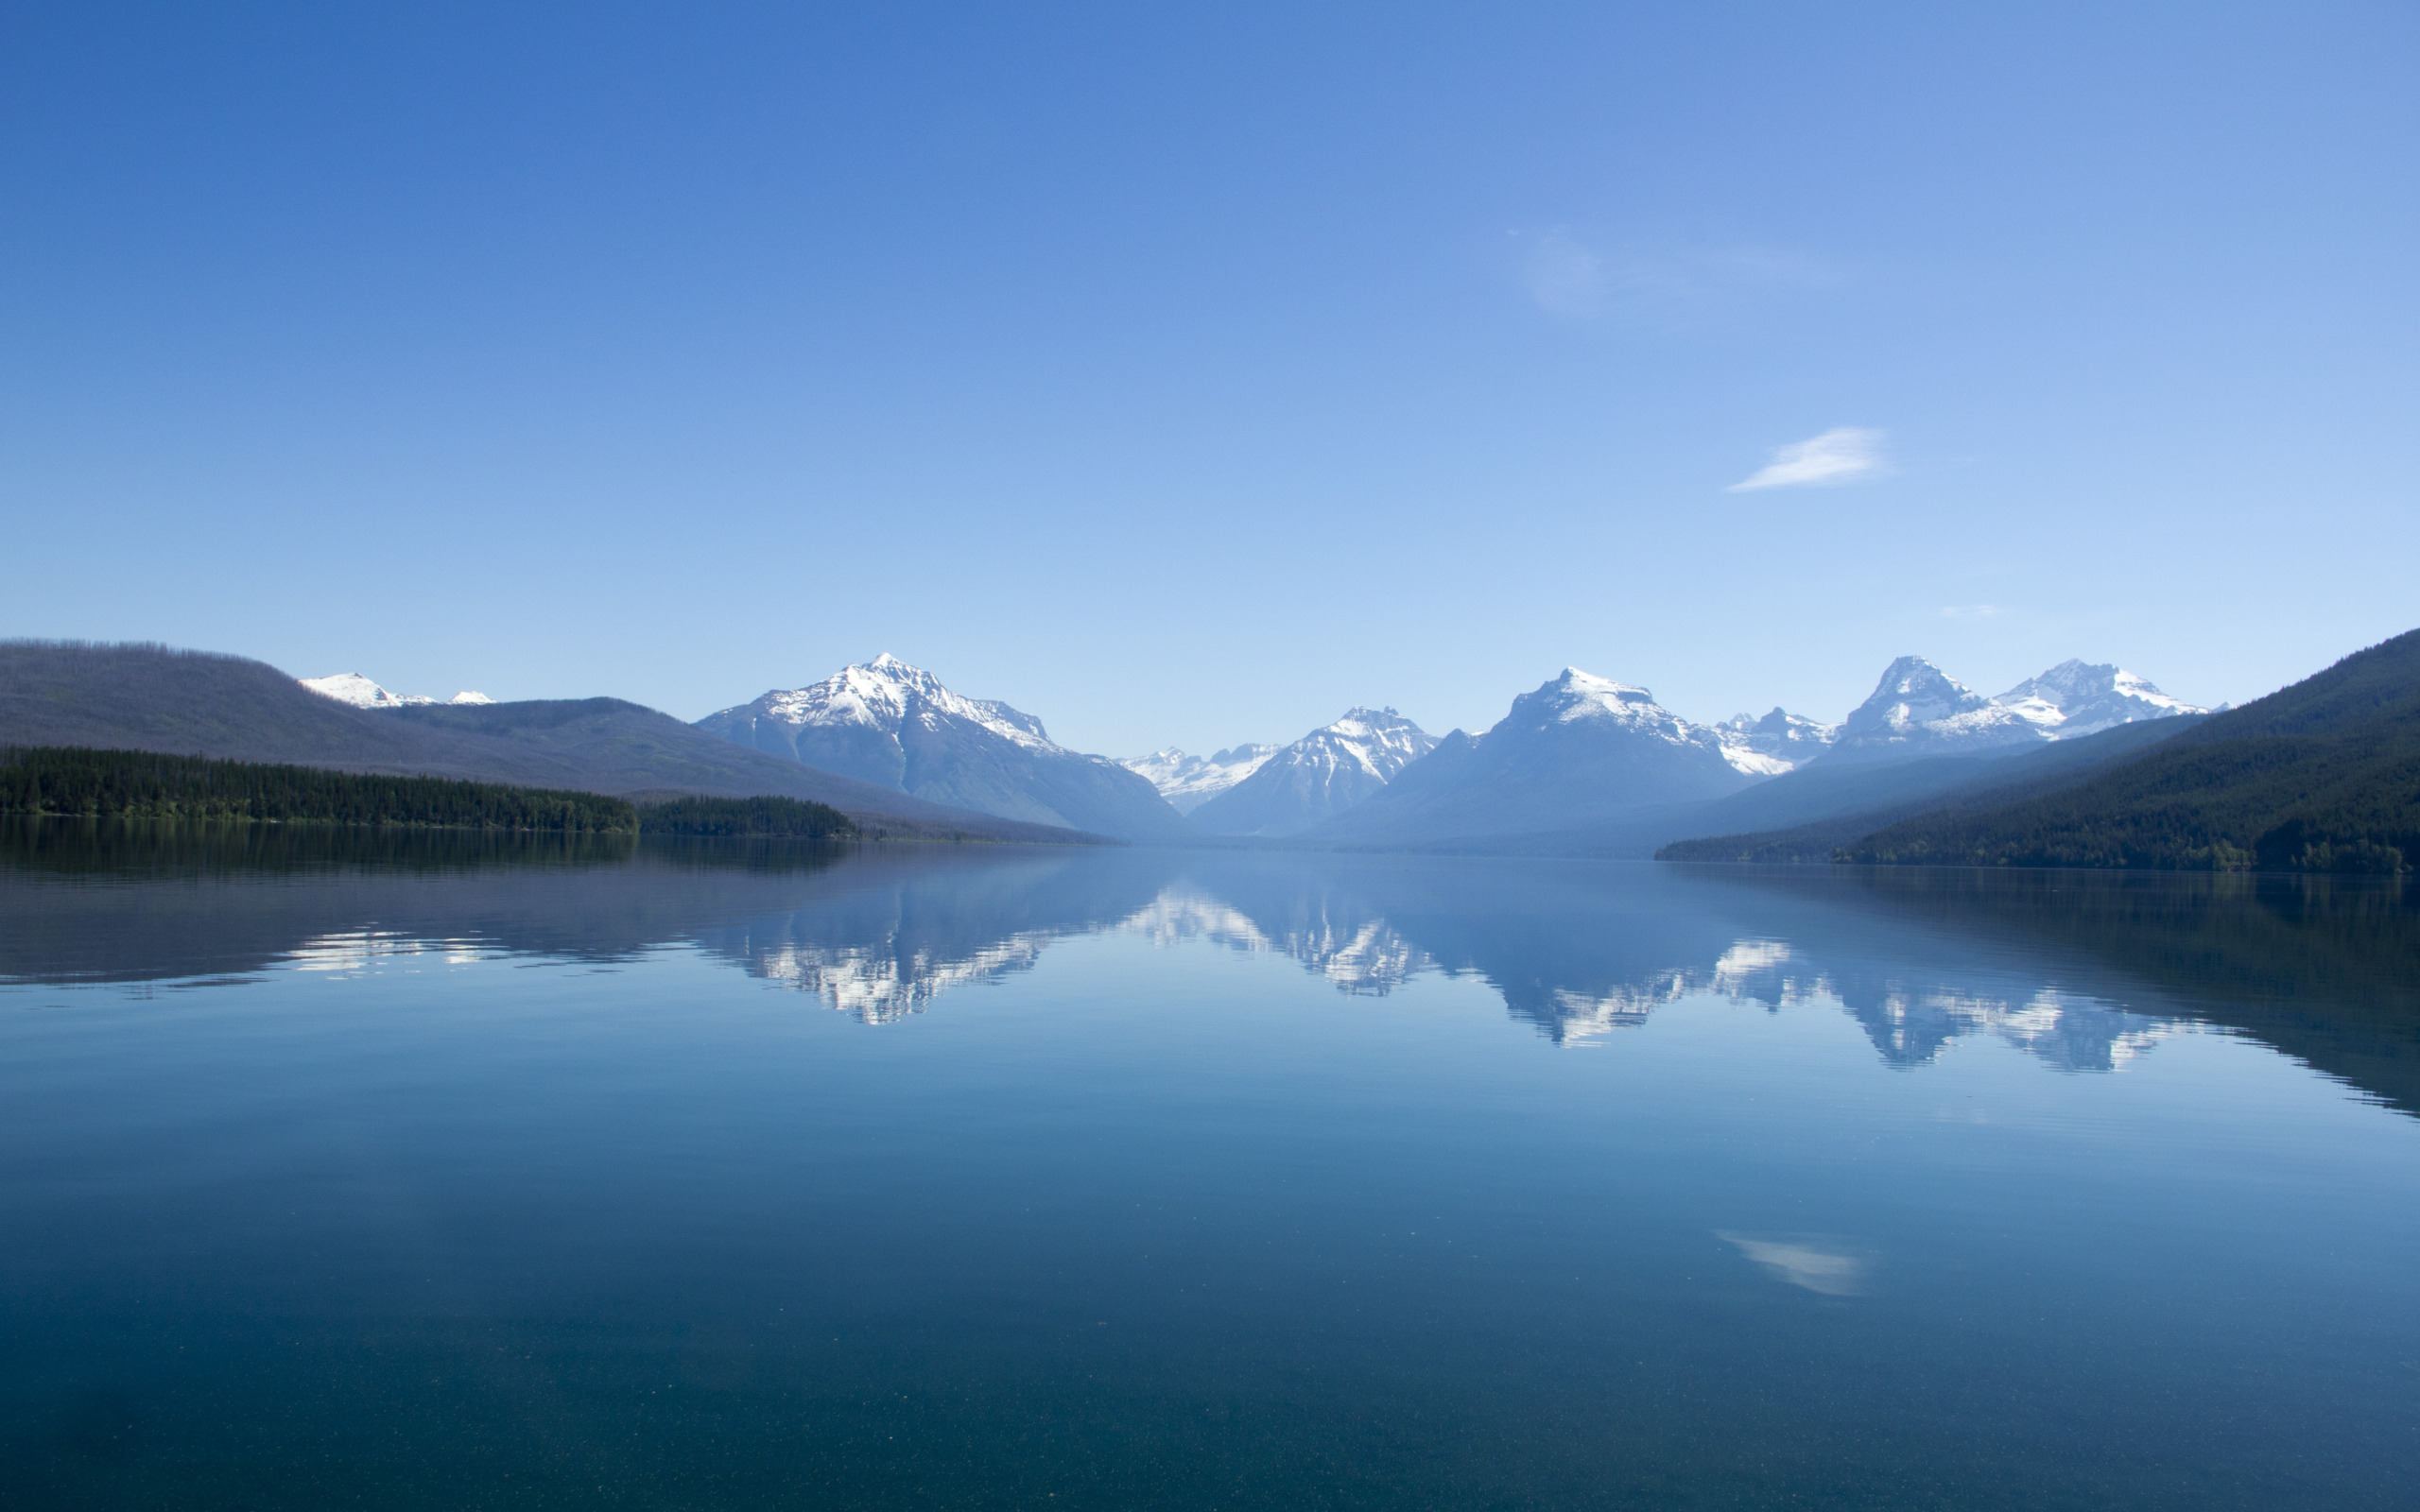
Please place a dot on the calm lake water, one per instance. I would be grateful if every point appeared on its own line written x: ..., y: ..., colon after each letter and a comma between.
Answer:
x: 434, y: 1172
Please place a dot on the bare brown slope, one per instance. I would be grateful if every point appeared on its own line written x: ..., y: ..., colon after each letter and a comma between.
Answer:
x: 142, y: 697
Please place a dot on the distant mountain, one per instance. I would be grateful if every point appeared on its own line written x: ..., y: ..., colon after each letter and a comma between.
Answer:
x: 1780, y: 735
x: 889, y: 723
x: 1918, y: 710
x: 2322, y: 776
x: 358, y: 691
x: 198, y: 703
x: 1189, y: 782
x: 1321, y: 776
x: 1577, y: 750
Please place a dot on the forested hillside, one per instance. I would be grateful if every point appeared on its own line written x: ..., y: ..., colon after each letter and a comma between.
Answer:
x: 2323, y: 775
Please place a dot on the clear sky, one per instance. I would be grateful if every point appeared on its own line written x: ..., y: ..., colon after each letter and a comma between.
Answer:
x: 1187, y: 376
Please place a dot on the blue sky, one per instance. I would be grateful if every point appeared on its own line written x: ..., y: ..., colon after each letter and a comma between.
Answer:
x: 1188, y: 376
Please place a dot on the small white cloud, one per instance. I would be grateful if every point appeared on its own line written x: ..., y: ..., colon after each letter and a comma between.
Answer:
x: 1803, y: 1262
x: 1565, y: 278
x: 1668, y: 286
x: 1971, y: 611
x: 1841, y: 456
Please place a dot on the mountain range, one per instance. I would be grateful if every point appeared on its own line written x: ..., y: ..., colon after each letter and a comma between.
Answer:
x: 1580, y: 764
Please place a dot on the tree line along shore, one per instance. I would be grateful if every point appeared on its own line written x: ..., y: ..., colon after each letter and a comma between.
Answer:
x: 98, y: 783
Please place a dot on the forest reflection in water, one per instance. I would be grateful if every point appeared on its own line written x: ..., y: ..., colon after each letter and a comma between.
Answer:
x: 2082, y: 970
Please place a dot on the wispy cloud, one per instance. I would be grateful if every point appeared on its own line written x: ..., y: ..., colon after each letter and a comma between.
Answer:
x: 1971, y: 611
x: 1841, y: 455
x: 1816, y: 1265
x: 1579, y: 278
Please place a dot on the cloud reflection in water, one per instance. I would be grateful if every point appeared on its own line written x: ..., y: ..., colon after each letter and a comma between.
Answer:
x: 1813, y: 1262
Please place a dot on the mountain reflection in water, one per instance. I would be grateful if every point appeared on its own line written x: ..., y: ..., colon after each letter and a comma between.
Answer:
x: 2083, y: 972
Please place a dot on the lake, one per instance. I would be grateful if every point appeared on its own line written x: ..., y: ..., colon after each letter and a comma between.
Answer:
x: 446, y: 1172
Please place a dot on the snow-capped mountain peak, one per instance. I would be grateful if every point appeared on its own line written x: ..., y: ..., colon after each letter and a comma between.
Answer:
x: 881, y: 694
x: 1914, y: 691
x: 2078, y: 698
x: 1380, y: 742
x: 1577, y: 695
x: 1918, y: 708
x: 888, y: 722
x: 1329, y: 770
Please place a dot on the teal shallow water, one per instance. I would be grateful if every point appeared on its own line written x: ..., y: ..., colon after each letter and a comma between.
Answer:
x: 432, y: 1174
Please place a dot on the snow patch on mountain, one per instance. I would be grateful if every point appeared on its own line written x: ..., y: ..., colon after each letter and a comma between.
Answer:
x: 358, y: 691
x: 1189, y: 782
x: 1779, y: 742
